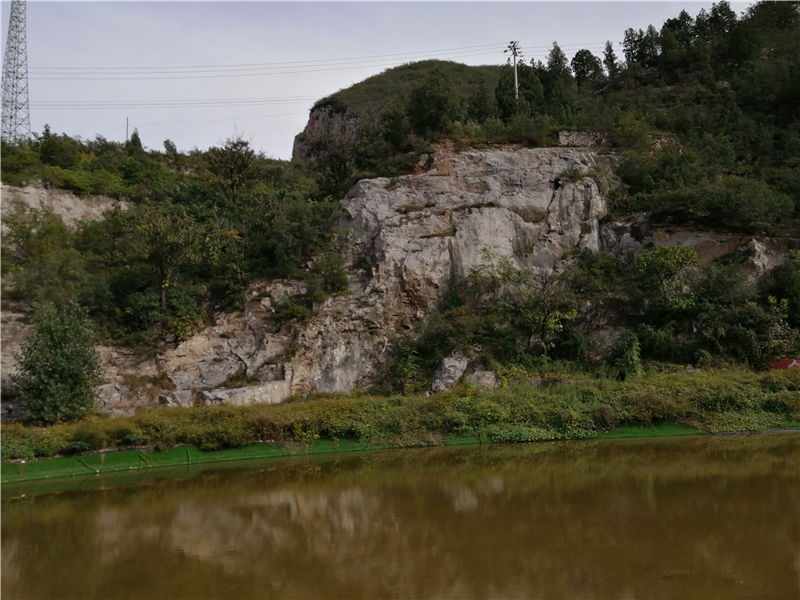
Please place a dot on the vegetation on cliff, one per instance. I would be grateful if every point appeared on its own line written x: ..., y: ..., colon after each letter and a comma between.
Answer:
x: 704, y: 109
x: 704, y: 112
x: 204, y: 225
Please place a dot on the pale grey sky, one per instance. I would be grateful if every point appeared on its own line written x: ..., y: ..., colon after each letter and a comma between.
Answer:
x: 200, y: 72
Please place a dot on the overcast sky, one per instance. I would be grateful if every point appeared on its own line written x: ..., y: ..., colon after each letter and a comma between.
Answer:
x: 199, y: 72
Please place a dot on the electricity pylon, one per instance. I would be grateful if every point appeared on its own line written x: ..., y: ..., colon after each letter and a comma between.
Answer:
x: 516, y: 53
x: 16, y: 111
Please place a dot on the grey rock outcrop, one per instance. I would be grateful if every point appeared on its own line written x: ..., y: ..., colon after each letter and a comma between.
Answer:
x: 70, y: 207
x: 406, y: 242
x: 486, y: 380
x: 327, y: 130
x: 449, y: 372
x: 587, y: 139
x: 410, y: 239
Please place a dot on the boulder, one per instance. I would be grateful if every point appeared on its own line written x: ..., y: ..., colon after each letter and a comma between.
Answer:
x: 449, y: 372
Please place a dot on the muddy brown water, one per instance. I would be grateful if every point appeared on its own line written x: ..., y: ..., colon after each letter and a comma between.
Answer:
x: 695, y: 517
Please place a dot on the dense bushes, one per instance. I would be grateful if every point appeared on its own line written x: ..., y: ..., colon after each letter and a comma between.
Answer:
x: 59, y: 370
x: 669, y: 306
x: 204, y: 225
x: 569, y: 406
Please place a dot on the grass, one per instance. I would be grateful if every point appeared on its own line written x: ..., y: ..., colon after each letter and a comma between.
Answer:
x: 652, y: 430
x: 563, y: 406
x: 376, y: 91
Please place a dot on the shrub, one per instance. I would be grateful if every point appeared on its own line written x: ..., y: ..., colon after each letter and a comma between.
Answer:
x: 59, y: 368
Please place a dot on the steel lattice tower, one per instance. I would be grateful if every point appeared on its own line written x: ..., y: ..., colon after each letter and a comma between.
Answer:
x: 16, y: 111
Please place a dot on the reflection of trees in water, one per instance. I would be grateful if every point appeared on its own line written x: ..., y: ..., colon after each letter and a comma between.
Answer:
x: 572, y: 520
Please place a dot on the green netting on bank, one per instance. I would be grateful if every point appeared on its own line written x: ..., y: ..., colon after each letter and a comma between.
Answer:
x: 132, y: 460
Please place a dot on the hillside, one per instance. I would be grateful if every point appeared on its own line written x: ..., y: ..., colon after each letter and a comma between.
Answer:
x: 375, y: 92
x: 436, y: 230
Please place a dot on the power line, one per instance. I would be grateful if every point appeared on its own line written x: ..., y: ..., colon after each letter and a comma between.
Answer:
x: 216, y: 74
x: 261, y: 69
x: 282, y: 64
x: 176, y: 103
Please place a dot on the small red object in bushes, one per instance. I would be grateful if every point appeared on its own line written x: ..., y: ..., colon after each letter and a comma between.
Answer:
x: 784, y: 363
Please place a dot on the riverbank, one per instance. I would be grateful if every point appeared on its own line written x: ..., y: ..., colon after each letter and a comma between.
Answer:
x: 557, y: 407
x: 139, y: 459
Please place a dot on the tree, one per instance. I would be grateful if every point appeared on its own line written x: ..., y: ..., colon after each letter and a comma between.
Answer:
x: 610, y: 60
x: 165, y: 237
x: 58, y: 150
x: 666, y: 270
x: 531, y: 92
x: 587, y: 68
x: 559, y: 85
x: 235, y: 167
x: 59, y: 368
x: 434, y: 104
x: 134, y: 147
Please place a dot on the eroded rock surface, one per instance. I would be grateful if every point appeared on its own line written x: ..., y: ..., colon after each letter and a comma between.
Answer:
x: 406, y: 242
x: 70, y: 207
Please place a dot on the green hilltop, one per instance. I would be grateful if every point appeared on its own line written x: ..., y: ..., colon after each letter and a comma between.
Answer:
x: 375, y: 92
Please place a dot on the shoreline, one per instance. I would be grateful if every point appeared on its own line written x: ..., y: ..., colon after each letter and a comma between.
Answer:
x: 149, y: 460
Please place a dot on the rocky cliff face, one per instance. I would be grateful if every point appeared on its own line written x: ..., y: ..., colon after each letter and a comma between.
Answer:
x: 65, y: 204
x: 72, y: 209
x: 406, y: 241
x: 327, y: 130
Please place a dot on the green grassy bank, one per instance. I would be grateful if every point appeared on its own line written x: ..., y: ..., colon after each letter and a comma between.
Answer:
x: 553, y: 407
x: 103, y: 463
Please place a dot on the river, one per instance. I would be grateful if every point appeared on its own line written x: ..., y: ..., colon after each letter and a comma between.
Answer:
x: 689, y: 517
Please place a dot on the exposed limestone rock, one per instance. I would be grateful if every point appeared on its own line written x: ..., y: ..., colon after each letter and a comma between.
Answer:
x: 15, y: 330
x: 407, y: 241
x: 326, y: 128
x: 587, y: 139
x: 71, y: 208
x: 486, y: 380
x: 271, y: 392
x: 238, y: 360
x: 449, y: 372
x: 764, y: 254
x: 413, y: 238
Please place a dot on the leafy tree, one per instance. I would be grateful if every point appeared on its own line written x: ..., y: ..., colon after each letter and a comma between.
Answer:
x: 482, y: 106
x: 560, y: 89
x: 531, y: 92
x: 434, y: 104
x: 513, y: 298
x: 58, y: 150
x: 164, y: 237
x: 58, y: 366
x: 18, y: 162
x: 666, y: 270
x: 234, y: 167
x: 134, y: 147
x: 587, y: 68
x: 40, y: 262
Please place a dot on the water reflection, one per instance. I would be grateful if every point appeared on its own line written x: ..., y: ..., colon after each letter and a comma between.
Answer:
x: 702, y: 517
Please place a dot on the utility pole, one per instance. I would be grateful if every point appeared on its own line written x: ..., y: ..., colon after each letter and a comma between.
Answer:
x: 516, y: 53
x: 16, y: 124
